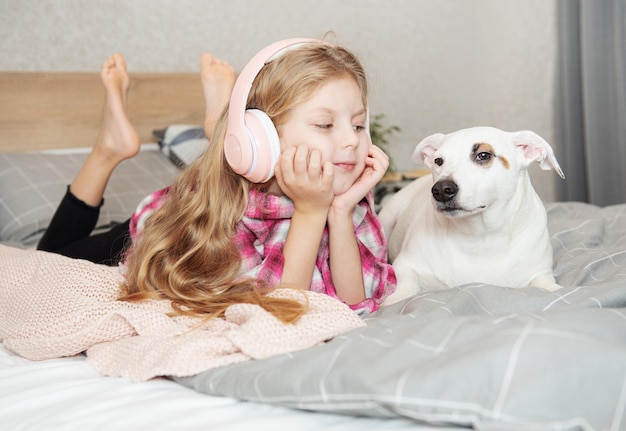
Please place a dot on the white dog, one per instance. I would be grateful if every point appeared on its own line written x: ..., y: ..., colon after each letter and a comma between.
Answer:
x: 476, y: 219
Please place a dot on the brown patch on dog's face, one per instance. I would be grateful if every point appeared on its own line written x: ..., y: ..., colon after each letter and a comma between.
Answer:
x: 483, y: 154
x: 505, y: 162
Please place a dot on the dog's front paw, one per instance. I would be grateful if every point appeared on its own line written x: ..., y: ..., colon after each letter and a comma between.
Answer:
x: 394, y: 299
x: 546, y: 282
x: 407, y: 287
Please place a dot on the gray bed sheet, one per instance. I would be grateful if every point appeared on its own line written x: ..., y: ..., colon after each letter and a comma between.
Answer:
x: 476, y: 356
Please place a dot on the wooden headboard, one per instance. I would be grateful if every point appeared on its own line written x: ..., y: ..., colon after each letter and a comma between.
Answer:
x: 49, y: 110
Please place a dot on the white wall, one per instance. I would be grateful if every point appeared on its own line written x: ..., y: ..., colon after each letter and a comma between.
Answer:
x: 434, y: 65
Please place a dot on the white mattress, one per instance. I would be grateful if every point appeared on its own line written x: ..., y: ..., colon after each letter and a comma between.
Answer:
x: 69, y: 394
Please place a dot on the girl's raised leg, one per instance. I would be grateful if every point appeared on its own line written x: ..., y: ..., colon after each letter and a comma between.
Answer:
x: 218, y: 79
x: 117, y: 140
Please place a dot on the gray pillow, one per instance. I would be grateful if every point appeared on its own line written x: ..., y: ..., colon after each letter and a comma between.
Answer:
x: 32, y: 185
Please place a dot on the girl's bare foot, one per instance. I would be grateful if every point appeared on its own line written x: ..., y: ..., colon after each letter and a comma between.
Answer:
x: 218, y: 79
x: 117, y: 139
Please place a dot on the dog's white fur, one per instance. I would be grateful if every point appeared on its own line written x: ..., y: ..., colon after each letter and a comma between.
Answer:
x: 489, y: 225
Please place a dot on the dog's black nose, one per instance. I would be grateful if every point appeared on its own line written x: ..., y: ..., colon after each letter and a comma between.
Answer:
x: 444, y: 190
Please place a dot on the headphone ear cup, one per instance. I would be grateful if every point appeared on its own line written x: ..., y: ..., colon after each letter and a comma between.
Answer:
x: 265, y: 145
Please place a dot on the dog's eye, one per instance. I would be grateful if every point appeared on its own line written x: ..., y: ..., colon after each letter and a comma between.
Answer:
x: 483, y: 156
x: 438, y: 161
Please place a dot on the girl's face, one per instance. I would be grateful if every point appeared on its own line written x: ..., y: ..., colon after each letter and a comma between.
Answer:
x: 332, y: 121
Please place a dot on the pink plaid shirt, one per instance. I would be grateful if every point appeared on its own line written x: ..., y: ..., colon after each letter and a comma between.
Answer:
x: 260, y: 237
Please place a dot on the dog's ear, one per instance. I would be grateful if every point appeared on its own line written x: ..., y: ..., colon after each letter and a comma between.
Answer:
x: 535, y: 149
x: 425, y: 150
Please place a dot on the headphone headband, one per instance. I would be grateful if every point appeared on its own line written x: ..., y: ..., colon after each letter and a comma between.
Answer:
x: 239, y: 143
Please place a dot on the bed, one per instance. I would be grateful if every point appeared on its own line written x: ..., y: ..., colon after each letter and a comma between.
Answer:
x: 475, y: 356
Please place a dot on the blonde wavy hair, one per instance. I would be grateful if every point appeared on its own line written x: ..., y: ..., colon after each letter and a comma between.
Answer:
x: 186, y: 253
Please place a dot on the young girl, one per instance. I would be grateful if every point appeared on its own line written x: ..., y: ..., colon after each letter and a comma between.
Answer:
x: 215, y: 238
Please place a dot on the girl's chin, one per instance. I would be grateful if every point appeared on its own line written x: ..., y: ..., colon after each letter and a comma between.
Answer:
x: 342, y: 187
x: 343, y: 181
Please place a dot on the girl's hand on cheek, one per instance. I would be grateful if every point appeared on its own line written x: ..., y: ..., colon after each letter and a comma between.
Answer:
x: 376, y: 164
x: 304, y: 179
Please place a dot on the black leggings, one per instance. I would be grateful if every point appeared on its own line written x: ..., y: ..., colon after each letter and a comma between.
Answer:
x: 69, y: 233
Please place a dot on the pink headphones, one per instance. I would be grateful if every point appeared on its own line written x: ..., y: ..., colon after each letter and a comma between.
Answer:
x: 251, y: 145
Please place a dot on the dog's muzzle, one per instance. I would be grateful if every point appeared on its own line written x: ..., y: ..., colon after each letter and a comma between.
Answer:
x: 446, y: 195
x: 444, y: 190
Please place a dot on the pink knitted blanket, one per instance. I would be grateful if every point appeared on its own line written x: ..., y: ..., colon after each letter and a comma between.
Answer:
x: 53, y: 306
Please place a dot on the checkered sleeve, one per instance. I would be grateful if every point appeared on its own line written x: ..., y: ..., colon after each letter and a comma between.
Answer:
x: 379, y: 278
x: 145, y: 208
x: 261, y: 243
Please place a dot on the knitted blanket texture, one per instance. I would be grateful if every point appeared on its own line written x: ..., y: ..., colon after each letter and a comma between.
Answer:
x: 52, y: 306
